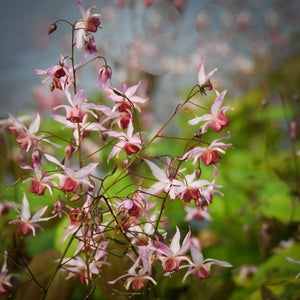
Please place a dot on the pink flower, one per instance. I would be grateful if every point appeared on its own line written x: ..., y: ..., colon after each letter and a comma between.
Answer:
x: 60, y: 74
x: 166, y: 181
x: 104, y: 75
x: 216, y: 119
x: 40, y: 182
x: 209, y: 155
x: 28, y: 137
x: 27, y: 224
x: 196, y: 213
x: 72, y: 179
x: 203, y: 79
x: 138, y: 280
x: 5, y: 278
x: 192, y: 189
x: 130, y: 143
x: 126, y: 99
x: 171, y: 257
x: 89, y: 23
x: 78, y: 267
x: 200, y: 267
x: 79, y: 107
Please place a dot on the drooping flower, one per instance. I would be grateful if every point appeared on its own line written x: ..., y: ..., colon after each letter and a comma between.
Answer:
x: 166, y: 180
x: 139, y: 275
x: 79, y: 107
x: 28, y: 137
x: 130, y: 143
x: 60, y: 74
x: 40, y: 182
x: 27, y: 224
x: 72, y: 179
x: 5, y: 278
x: 200, y: 267
x: 78, y: 267
x: 126, y: 99
x: 171, y: 257
x: 89, y: 23
x: 216, y: 119
x: 209, y: 155
x: 104, y: 75
x: 196, y: 213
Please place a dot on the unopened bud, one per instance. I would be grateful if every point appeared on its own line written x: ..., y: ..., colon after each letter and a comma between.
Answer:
x: 198, y: 133
x: 36, y: 158
x: 52, y: 86
x: 170, y: 173
x: 198, y: 173
x: 293, y: 130
x: 52, y: 28
x: 125, y: 163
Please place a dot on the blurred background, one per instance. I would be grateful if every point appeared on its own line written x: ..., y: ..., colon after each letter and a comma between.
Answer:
x: 164, y: 39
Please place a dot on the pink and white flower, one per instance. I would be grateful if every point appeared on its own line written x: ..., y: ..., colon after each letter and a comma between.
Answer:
x: 27, y: 224
x: 79, y: 107
x: 126, y: 99
x: 216, y: 119
x: 89, y: 23
x: 209, y: 155
x: 200, y: 267
x: 203, y: 79
x: 60, y: 74
x: 5, y: 278
x: 166, y: 181
x: 72, y: 179
x: 28, y: 137
x: 171, y: 257
x: 139, y: 275
x: 130, y: 143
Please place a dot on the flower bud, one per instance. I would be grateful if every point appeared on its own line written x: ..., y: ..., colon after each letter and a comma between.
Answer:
x: 52, y: 28
x: 125, y: 163
x: 170, y: 173
x: 36, y: 158
x: 104, y: 75
x: 198, y: 173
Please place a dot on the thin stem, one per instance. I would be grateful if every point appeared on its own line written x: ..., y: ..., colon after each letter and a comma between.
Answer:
x: 59, y: 264
x: 178, y: 108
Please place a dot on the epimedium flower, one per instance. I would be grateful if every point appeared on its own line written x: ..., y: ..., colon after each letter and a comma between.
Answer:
x: 104, y: 75
x: 72, y: 179
x: 200, y: 267
x: 193, y: 189
x: 60, y: 75
x: 27, y: 224
x: 209, y: 155
x: 166, y: 180
x: 126, y: 99
x: 139, y: 275
x: 78, y: 267
x: 89, y: 23
x: 5, y: 278
x: 28, y: 137
x: 171, y: 257
x: 129, y: 142
x: 40, y: 182
x: 79, y: 107
x: 196, y: 213
x: 216, y: 119
x: 203, y: 79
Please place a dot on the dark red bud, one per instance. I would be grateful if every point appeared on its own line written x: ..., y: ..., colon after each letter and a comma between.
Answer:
x: 52, y: 28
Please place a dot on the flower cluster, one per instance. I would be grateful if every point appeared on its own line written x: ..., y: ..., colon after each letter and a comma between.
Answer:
x: 120, y: 189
